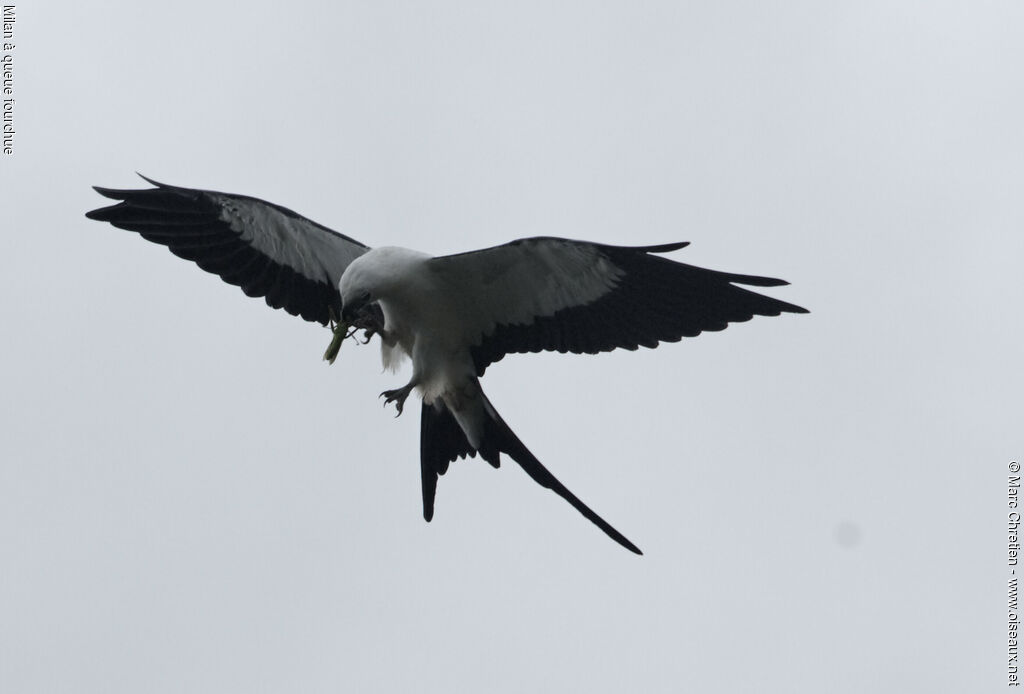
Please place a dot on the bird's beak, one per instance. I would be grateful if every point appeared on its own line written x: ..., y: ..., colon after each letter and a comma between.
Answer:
x: 355, y: 307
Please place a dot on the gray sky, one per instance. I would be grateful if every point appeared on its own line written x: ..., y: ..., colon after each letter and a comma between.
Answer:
x: 191, y: 501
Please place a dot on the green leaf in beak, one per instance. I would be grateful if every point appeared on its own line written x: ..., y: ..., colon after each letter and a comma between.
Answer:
x: 339, y: 328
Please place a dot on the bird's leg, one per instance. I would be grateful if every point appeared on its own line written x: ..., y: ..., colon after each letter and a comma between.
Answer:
x: 398, y: 396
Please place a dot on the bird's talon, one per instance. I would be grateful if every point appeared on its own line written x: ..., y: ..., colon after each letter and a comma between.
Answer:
x: 397, y: 396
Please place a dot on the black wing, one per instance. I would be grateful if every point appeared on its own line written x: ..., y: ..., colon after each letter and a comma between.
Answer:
x: 573, y: 296
x: 264, y: 248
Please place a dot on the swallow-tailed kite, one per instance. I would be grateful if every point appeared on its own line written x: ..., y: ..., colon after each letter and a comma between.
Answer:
x: 452, y: 315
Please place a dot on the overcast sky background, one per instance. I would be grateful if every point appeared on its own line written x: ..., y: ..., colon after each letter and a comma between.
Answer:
x: 192, y: 501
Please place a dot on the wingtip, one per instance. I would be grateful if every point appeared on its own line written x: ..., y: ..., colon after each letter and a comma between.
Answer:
x: 120, y: 194
x: 756, y: 281
x: 111, y: 193
x: 100, y: 214
x: 665, y: 247
x: 150, y: 181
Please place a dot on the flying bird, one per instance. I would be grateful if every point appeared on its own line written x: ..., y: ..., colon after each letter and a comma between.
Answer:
x: 452, y: 315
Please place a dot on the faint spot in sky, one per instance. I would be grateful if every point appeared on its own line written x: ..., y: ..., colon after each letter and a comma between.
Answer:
x: 848, y: 534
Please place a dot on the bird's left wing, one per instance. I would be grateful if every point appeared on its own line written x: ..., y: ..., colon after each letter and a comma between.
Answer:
x: 574, y: 296
x: 266, y: 249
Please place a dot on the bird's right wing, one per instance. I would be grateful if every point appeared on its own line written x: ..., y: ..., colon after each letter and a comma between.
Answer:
x: 264, y: 248
x: 574, y: 296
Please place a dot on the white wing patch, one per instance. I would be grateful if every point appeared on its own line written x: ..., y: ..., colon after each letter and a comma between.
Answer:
x: 516, y: 283
x: 293, y: 241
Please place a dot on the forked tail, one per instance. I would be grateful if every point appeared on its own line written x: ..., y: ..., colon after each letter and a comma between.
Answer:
x: 442, y: 440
